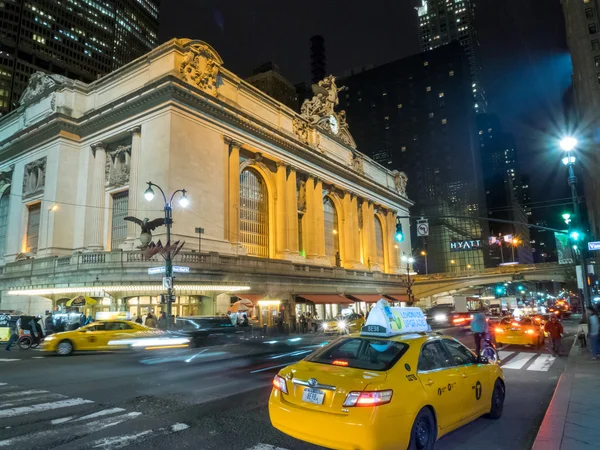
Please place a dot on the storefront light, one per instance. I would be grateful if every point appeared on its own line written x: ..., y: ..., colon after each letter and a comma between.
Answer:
x: 268, y: 302
x: 127, y: 288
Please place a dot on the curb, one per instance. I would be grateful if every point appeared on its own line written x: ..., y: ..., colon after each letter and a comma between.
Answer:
x: 550, y: 434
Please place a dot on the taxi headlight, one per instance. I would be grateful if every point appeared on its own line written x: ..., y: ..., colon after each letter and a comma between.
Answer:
x: 342, y: 325
x: 49, y: 338
x: 325, y: 325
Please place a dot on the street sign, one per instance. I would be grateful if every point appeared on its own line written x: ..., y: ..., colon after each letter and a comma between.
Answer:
x: 199, y: 230
x: 155, y: 270
x: 423, y: 227
x: 167, y: 282
x: 594, y: 245
x: 181, y: 269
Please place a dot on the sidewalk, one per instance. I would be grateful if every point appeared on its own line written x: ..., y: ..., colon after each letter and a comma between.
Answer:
x: 572, y: 421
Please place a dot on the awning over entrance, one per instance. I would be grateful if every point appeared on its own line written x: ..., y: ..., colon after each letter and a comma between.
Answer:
x: 397, y: 297
x: 254, y: 298
x: 324, y: 299
x: 367, y: 298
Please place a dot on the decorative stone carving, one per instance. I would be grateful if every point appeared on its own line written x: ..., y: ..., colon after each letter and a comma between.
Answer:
x: 358, y: 163
x: 300, y: 128
x: 34, y: 178
x: 201, y: 67
x: 302, y: 196
x: 6, y: 175
x: 118, y: 166
x: 320, y: 110
x: 40, y: 82
x: 400, y: 182
x: 258, y: 157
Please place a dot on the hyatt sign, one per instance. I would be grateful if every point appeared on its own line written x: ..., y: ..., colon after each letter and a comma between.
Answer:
x: 465, y: 245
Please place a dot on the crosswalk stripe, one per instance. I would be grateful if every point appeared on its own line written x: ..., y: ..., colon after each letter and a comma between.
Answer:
x: 34, y: 439
x: 8, y: 359
x: 34, y: 398
x: 265, y: 447
x: 519, y: 361
x: 23, y: 393
x: 2, y: 384
x: 503, y: 354
x: 122, y: 441
x: 12, y: 412
x: 542, y: 363
x: 104, y: 412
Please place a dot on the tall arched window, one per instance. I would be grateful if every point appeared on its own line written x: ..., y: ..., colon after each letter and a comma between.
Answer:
x: 379, y: 241
x: 3, y: 220
x: 254, y: 213
x: 332, y: 240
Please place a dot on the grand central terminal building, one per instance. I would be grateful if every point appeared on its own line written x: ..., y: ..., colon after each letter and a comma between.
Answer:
x: 283, y: 210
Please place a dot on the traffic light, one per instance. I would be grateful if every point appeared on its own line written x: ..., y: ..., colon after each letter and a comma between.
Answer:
x: 399, y: 232
x: 500, y: 291
x: 576, y: 235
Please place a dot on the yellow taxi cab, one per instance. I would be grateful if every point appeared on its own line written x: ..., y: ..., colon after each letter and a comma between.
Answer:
x: 395, y: 385
x: 520, y: 331
x: 350, y: 323
x: 95, y: 336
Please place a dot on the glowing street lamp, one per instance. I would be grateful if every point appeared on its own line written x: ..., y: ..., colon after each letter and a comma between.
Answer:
x: 424, y: 253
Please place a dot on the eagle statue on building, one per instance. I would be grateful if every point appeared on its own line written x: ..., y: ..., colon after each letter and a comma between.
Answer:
x: 147, y: 226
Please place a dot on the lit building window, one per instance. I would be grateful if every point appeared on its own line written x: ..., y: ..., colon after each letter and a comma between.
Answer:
x: 399, y: 105
x: 379, y: 241
x: 254, y: 213
x: 451, y: 73
x: 118, y: 231
x: 33, y: 227
x: 441, y: 94
x: 332, y: 237
x: 403, y: 149
x: 428, y: 88
x: 426, y: 63
x: 444, y: 121
x: 431, y: 115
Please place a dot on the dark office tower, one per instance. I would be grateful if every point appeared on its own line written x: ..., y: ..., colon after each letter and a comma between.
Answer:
x: 445, y: 21
x: 503, y: 189
x: 81, y: 39
x: 268, y: 79
x: 416, y: 115
x: 582, y: 19
x: 318, y: 62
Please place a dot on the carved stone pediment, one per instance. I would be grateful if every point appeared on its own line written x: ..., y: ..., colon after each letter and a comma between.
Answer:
x: 117, y: 168
x: 200, y: 66
x: 34, y: 178
x: 39, y: 83
x: 301, y: 129
x: 358, y: 163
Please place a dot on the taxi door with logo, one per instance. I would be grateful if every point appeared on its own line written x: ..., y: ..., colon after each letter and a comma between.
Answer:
x: 442, y: 383
x: 474, y: 376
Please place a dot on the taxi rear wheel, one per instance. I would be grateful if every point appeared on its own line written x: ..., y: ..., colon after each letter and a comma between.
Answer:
x: 497, y: 400
x: 64, y: 348
x: 424, y: 431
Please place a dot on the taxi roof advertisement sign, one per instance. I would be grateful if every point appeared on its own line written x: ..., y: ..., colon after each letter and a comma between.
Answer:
x: 387, y: 321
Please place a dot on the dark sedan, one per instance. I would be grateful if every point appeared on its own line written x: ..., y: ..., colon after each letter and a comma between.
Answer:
x: 206, y: 329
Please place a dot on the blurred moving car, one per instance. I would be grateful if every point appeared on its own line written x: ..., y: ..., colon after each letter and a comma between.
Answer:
x: 397, y: 392
x: 446, y: 316
x: 93, y: 337
x: 344, y: 324
x: 202, y: 329
x: 522, y: 331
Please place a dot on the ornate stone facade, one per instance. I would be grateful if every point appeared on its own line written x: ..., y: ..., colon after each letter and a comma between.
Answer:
x: 39, y: 83
x: 117, y: 168
x: 301, y: 129
x: 34, y: 178
x: 201, y: 67
x: 400, y: 182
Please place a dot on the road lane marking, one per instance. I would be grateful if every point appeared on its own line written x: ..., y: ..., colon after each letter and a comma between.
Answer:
x: 519, y: 361
x: 34, y: 440
x: 2, y: 384
x: 60, y: 420
x: 265, y: 447
x: 8, y: 359
x: 23, y: 393
x: 104, y: 412
x: 34, y: 398
x: 270, y: 367
x: 542, y: 363
x: 125, y: 440
x: 504, y: 354
x: 12, y: 412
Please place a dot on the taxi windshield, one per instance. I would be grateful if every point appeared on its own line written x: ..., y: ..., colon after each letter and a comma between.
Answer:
x: 361, y: 353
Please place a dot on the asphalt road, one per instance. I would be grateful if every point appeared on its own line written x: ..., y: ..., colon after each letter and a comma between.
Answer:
x: 214, y: 398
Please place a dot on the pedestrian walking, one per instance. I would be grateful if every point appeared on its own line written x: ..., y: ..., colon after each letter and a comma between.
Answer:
x: 555, y: 332
x: 49, y: 324
x: 594, y: 332
x: 150, y: 321
x: 138, y: 319
x: 162, y: 321
x: 14, y: 336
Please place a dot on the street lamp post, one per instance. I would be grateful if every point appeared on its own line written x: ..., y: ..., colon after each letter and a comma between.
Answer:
x: 168, y: 209
x: 408, y: 260
x: 515, y: 242
x: 424, y: 253
x: 568, y: 144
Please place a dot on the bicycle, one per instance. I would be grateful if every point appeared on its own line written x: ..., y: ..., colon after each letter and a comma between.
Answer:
x: 488, y: 349
x: 26, y: 342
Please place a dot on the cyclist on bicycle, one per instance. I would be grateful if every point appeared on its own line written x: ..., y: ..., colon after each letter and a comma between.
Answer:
x: 479, y: 327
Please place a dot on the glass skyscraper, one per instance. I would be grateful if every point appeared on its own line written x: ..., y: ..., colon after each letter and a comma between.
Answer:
x: 81, y: 39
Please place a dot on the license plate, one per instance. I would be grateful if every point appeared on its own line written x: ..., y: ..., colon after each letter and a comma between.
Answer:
x: 314, y: 396
x: 515, y: 329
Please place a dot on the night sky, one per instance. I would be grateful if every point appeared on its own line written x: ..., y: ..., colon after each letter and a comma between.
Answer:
x: 526, y: 64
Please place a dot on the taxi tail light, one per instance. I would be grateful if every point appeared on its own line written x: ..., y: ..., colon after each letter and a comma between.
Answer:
x: 280, y: 384
x: 530, y: 331
x: 499, y: 330
x: 458, y: 319
x: 368, y: 398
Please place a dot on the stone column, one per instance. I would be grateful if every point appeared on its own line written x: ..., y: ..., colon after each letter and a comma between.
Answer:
x: 292, y: 211
x: 390, y: 241
x: 94, y: 223
x: 281, y: 216
x: 309, y: 220
x: 365, y: 234
x: 350, y: 232
x: 133, y: 230
x: 232, y: 225
x: 319, y: 220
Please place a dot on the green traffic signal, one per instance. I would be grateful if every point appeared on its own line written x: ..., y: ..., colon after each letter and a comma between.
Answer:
x: 399, y: 232
x: 576, y: 236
